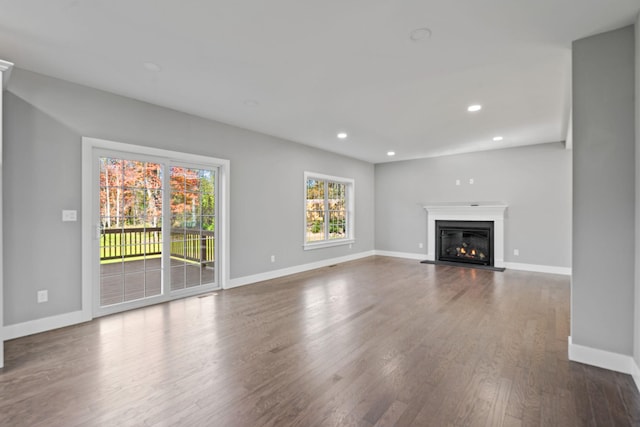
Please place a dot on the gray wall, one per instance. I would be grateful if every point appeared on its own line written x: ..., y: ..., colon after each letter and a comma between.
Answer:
x: 45, y: 120
x: 535, y: 181
x: 603, y: 191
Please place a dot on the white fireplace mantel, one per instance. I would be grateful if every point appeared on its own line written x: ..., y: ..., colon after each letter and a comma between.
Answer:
x: 467, y: 211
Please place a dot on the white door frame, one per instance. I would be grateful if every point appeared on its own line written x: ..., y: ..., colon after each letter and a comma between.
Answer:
x: 90, y: 230
x: 5, y: 70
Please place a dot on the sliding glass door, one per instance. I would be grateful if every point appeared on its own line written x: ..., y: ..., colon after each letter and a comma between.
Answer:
x: 157, y: 230
x: 193, y: 222
x: 131, y: 193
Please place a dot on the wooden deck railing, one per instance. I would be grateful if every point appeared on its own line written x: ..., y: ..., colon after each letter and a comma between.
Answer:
x: 193, y: 245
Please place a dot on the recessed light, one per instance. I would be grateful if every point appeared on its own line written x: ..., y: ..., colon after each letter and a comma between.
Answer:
x: 152, y: 66
x: 498, y: 138
x: 420, y: 34
x: 473, y: 108
x: 342, y: 135
x: 391, y: 153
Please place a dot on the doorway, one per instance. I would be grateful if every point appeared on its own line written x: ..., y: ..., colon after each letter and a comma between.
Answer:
x: 155, y: 227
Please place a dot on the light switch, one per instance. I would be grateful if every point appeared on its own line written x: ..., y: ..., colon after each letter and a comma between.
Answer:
x: 43, y: 296
x: 69, y: 215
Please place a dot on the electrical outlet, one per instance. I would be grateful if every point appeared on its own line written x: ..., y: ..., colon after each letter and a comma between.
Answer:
x: 457, y: 182
x: 471, y: 181
x: 273, y: 258
x: 516, y: 252
x: 43, y: 296
x: 420, y: 245
x: 68, y: 215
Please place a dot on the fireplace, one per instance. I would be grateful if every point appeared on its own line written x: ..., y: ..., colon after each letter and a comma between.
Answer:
x: 465, y: 242
x: 467, y: 212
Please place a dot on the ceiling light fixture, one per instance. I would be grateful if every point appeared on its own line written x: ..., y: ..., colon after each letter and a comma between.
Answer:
x: 152, y: 66
x: 420, y: 34
x: 342, y: 135
x: 391, y: 153
x: 498, y: 138
x: 473, y: 108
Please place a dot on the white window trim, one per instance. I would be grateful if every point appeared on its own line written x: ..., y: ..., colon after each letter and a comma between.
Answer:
x: 350, y: 194
x: 89, y: 227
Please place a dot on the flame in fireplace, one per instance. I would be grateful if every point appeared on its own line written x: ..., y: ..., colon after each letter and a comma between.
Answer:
x: 466, y: 252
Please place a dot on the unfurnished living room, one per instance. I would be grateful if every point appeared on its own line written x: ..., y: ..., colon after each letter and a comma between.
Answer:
x: 338, y: 213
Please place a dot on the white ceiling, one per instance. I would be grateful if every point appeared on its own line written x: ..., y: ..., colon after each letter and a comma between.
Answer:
x: 305, y: 70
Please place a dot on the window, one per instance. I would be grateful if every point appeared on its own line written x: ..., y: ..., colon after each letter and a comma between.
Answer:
x: 328, y: 210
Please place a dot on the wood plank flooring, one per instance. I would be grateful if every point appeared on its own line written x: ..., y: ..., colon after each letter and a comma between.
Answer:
x: 374, y: 342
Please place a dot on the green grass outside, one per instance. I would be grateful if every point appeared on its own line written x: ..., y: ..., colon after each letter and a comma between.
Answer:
x: 138, y: 244
x: 135, y: 243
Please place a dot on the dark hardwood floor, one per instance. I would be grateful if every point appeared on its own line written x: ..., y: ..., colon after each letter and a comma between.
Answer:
x: 374, y: 342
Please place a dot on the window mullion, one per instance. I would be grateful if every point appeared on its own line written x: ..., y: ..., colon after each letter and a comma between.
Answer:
x: 347, y: 212
x: 326, y: 210
x: 166, y: 228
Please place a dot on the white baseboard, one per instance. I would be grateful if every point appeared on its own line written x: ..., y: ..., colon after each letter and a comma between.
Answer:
x: 407, y: 255
x: 538, y: 268
x: 42, y: 325
x: 274, y: 274
x: 636, y: 374
x: 604, y: 359
x: 510, y: 265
